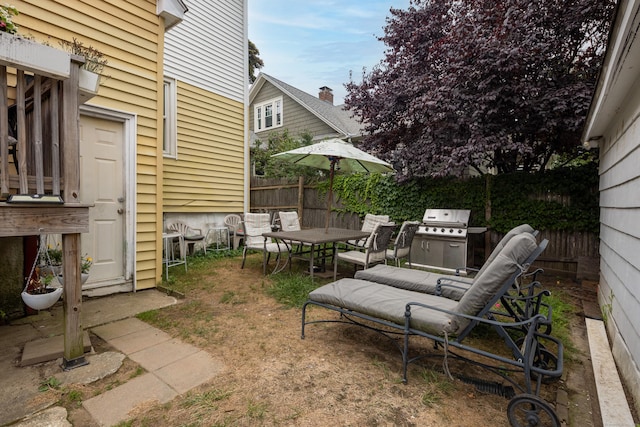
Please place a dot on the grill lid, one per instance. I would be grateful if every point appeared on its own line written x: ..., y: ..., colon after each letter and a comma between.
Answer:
x: 456, y: 218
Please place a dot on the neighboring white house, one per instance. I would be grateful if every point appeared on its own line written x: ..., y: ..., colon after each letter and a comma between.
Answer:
x: 613, y: 125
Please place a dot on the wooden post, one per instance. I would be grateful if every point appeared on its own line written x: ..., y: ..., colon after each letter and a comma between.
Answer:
x: 4, y: 132
x: 487, y: 216
x: 301, y: 198
x: 71, y: 135
x: 54, y: 107
x: 22, y: 133
x: 73, y: 334
x: 37, y: 133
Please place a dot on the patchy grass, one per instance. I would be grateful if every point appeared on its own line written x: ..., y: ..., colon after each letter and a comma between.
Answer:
x: 562, y: 311
x: 437, y: 386
x: 338, y: 375
x: 291, y: 289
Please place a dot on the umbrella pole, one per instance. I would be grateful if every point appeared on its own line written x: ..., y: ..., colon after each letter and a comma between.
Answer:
x: 330, y: 202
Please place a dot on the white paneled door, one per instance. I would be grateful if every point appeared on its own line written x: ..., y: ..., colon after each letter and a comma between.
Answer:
x: 102, y: 185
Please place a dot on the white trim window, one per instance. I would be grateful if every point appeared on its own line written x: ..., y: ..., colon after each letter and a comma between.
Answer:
x: 170, y: 119
x: 268, y: 115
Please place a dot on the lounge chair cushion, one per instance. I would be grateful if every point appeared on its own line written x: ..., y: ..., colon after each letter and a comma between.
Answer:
x: 523, y: 228
x: 388, y: 303
x: 415, y: 280
x: 507, y: 263
x: 453, y: 287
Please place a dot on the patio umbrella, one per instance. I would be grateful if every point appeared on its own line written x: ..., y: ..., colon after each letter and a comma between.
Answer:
x: 334, y: 154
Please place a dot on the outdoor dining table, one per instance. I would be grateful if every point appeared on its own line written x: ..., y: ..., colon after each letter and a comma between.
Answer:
x: 316, y: 238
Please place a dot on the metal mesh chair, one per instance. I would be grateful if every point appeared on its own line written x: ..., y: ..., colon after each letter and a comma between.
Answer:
x: 402, y: 246
x: 375, y: 249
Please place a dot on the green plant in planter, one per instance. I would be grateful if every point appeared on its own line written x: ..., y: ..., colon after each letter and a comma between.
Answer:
x: 95, y: 60
x: 38, y: 282
x: 54, y: 255
x: 85, y: 263
x: 6, y: 19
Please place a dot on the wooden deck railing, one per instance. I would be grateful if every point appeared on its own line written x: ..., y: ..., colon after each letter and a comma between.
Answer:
x: 40, y: 154
x: 39, y: 140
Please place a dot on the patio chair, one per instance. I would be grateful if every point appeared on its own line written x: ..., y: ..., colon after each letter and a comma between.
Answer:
x: 191, y: 236
x: 375, y: 250
x: 402, y: 245
x: 369, y: 224
x: 254, y: 225
x: 446, y: 322
x: 234, y: 224
x: 289, y: 221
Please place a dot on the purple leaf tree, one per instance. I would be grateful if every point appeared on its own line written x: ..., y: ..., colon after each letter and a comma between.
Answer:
x: 483, y: 84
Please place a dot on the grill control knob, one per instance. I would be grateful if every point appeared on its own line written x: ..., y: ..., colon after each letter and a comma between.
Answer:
x: 459, y: 231
x: 451, y: 230
x: 442, y: 230
x: 435, y: 229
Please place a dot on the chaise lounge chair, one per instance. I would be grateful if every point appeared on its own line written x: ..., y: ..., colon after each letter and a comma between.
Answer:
x: 521, y: 302
x: 448, y: 322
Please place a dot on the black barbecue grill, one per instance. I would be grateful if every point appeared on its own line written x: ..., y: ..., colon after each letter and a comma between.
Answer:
x: 441, y: 240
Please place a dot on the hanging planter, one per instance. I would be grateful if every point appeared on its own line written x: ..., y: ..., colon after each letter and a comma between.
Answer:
x: 37, y: 294
x: 42, y: 301
x: 83, y: 278
x: 85, y: 265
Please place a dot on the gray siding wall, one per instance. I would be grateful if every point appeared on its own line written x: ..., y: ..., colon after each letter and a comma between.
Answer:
x: 207, y: 49
x: 296, y: 118
x: 619, y: 292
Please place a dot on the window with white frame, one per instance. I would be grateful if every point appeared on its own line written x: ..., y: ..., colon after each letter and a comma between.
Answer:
x: 268, y: 115
x: 169, y: 119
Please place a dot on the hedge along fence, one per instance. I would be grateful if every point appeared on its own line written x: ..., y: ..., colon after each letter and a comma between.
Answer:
x: 561, y: 203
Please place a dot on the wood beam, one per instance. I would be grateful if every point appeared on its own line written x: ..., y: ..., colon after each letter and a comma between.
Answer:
x: 30, y: 220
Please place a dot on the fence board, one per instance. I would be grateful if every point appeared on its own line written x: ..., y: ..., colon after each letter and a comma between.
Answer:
x: 568, y: 253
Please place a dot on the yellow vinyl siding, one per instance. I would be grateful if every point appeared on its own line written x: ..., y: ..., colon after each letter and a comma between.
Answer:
x: 130, y: 35
x: 208, y: 175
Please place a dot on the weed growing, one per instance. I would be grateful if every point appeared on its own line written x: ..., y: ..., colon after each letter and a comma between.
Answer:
x: 291, y: 290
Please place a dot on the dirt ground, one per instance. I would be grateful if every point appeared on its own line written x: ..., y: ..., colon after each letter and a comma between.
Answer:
x: 338, y: 375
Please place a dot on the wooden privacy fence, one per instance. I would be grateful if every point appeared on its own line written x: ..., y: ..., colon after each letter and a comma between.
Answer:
x: 573, y: 254
x: 281, y: 194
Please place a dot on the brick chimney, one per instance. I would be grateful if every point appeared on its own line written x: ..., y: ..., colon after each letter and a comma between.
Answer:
x: 326, y: 94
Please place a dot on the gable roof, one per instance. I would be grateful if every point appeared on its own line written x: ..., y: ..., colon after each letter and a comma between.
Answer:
x: 335, y: 116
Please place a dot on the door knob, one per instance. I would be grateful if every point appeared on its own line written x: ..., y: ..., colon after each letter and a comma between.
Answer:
x: 120, y: 211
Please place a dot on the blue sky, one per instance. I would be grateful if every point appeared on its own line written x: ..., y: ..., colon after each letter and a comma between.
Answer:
x: 314, y: 43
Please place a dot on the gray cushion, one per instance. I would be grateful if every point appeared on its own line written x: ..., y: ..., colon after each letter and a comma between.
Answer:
x: 523, y: 228
x: 506, y: 263
x: 416, y: 280
x: 388, y: 303
x: 453, y: 287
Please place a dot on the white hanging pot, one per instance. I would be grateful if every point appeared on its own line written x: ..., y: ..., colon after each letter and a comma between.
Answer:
x: 42, y: 301
x: 83, y: 278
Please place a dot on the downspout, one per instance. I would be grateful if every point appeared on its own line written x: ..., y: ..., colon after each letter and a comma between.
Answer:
x: 247, y: 159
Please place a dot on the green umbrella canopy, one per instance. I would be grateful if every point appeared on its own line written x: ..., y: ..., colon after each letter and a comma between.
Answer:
x: 335, y: 154
x: 345, y: 157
